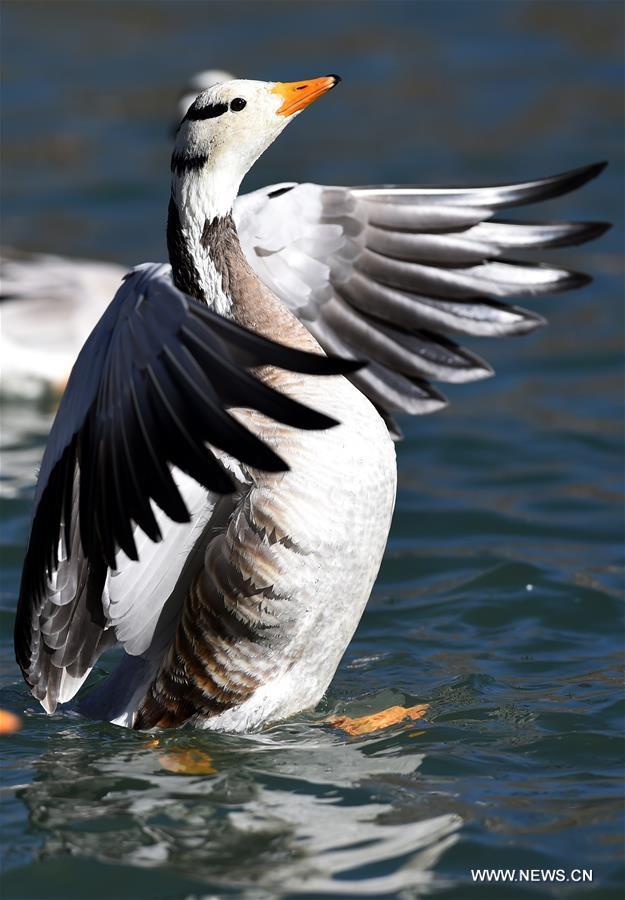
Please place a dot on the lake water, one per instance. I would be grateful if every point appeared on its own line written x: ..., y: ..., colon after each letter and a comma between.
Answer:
x: 499, y: 602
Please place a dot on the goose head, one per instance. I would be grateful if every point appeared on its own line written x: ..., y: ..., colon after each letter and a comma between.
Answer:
x: 227, y: 128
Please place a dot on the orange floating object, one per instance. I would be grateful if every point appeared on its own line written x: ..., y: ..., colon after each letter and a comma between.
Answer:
x: 377, y: 721
x: 183, y: 760
x: 9, y: 722
x: 187, y: 762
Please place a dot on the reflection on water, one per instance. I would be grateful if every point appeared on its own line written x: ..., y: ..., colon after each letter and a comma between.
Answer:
x: 307, y: 810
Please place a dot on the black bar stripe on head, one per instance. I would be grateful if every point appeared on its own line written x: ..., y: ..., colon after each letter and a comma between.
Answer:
x: 196, y: 113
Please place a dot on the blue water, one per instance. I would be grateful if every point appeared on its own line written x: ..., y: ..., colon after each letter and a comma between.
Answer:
x: 499, y: 602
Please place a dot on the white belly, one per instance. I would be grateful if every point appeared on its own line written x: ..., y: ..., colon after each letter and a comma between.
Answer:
x: 323, y: 526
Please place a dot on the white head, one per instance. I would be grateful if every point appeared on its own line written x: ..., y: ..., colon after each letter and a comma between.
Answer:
x: 224, y: 132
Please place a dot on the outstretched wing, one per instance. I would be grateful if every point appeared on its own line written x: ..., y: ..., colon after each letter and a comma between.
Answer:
x: 148, y: 393
x: 391, y: 274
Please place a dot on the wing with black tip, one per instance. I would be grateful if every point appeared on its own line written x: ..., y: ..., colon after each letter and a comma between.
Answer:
x: 393, y: 274
x: 147, y: 399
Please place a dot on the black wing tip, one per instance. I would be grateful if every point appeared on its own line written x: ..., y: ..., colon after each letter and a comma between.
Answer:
x: 275, y: 465
x: 553, y: 185
x: 478, y: 368
x: 431, y: 395
x: 529, y: 321
x: 575, y: 178
x: 570, y: 281
x: 581, y: 174
x: 266, y: 351
x: 580, y: 233
x: 320, y: 364
x: 342, y: 366
x: 312, y: 420
x: 564, y: 280
x: 575, y: 280
x: 483, y: 368
x: 594, y: 230
x: 263, y: 458
x: 597, y: 168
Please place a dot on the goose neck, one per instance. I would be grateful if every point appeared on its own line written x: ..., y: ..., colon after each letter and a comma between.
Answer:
x: 199, y: 227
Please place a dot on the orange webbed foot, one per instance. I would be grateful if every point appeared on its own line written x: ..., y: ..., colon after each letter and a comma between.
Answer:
x: 377, y: 721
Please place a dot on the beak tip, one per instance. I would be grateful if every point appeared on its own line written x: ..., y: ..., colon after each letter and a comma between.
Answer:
x: 337, y: 78
x: 297, y: 95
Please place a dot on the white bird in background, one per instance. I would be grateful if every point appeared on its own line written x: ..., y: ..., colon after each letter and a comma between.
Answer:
x: 51, y: 303
x: 241, y: 613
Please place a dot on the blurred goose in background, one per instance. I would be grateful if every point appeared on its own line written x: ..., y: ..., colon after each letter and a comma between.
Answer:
x: 185, y: 510
x: 48, y: 307
x: 49, y: 304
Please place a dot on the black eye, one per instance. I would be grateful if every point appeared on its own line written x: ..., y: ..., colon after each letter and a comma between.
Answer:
x: 238, y: 104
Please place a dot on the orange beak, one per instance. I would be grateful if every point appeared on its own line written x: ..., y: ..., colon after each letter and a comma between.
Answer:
x: 296, y: 95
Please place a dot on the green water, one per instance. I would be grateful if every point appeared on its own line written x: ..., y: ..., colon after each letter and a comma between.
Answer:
x: 499, y: 602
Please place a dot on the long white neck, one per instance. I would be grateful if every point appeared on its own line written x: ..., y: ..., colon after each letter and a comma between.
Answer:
x: 201, y: 196
x: 204, y: 190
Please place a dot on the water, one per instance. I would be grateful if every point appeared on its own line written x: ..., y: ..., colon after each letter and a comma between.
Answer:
x: 499, y: 600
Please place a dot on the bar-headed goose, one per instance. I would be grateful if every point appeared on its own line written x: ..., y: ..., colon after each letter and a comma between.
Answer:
x: 166, y: 519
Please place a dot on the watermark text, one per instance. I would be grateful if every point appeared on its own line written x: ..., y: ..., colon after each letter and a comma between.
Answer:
x: 520, y: 876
